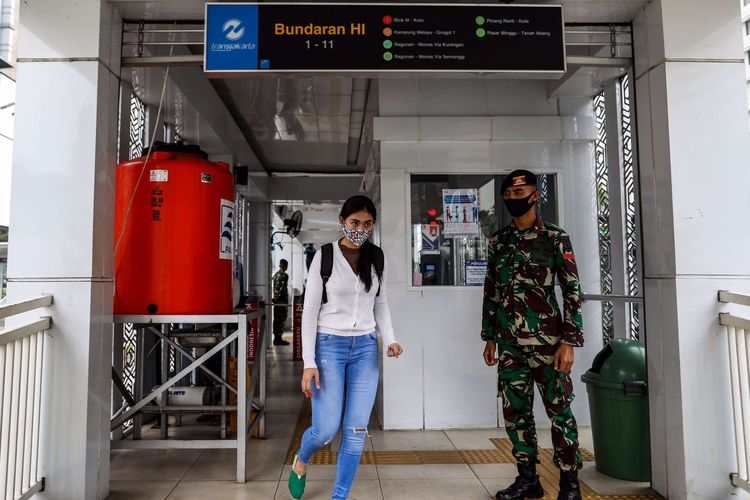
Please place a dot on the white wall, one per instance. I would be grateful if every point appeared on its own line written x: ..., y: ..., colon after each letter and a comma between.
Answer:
x: 7, y: 115
x: 473, y: 126
x: 745, y: 17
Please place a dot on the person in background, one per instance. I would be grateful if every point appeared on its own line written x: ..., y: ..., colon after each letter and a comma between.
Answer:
x: 309, y: 254
x: 345, y: 305
x: 280, y: 296
x: 521, y: 321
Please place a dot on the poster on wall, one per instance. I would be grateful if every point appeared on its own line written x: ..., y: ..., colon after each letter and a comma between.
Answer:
x: 475, y: 272
x: 430, y: 239
x: 227, y: 226
x: 460, y: 212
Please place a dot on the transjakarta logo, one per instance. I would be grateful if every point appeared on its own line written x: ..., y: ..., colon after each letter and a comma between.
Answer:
x: 233, y: 29
x: 231, y: 37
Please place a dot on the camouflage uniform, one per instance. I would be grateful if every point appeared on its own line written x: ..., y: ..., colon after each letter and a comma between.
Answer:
x: 520, y: 313
x: 280, y: 296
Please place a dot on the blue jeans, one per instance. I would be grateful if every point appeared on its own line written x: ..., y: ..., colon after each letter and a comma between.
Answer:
x: 349, y: 369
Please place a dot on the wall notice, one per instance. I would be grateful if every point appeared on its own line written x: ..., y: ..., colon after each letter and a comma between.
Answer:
x: 460, y: 213
x: 475, y: 272
x: 430, y: 239
x: 227, y: 230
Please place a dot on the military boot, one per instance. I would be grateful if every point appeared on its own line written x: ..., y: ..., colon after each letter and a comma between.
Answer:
x: 526, y: 485
x: 570, y: 489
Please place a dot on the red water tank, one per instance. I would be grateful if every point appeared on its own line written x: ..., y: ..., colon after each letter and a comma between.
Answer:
x: 174, y: 254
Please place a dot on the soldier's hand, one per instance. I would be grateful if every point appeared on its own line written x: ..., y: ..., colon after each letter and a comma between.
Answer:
x: 490, y: 350
x: 564, y: 358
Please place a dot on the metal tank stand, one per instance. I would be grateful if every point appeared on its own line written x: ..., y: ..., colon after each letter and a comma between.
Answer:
x: 218, y: 333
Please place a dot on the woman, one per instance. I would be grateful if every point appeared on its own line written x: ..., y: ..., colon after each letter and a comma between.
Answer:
x: 340, y: 346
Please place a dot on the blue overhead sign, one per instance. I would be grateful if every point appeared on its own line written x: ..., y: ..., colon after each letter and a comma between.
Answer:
x: 309, y: 37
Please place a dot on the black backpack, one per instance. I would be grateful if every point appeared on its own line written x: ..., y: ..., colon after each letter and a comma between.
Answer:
x: 326, y: 266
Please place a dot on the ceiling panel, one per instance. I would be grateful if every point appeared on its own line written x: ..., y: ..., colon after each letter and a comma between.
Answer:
x: 578, y: 11
x: 334, y: 137
x: 304, y: 123
x: 147, y: 84
x: 295, y: 123
x: 338, y: 105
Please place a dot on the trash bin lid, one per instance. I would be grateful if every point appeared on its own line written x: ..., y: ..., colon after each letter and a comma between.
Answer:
x: 621, y: 361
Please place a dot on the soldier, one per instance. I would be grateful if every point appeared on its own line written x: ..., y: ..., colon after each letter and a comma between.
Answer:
x: 521, y: 321
x: 280, y: 296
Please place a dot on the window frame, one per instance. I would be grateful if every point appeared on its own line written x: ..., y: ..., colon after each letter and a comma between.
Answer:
x: 558, y: 172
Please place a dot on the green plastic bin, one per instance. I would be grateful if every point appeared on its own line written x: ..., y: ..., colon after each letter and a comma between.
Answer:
x: 616, y: 385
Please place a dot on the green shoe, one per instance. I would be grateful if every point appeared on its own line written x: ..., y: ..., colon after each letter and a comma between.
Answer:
x: 296, y: 483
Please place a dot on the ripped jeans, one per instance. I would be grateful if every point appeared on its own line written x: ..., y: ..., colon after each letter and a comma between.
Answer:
x: 349, y: 370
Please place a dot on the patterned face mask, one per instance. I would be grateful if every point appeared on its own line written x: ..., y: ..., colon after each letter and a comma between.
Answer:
x: 356, y: 236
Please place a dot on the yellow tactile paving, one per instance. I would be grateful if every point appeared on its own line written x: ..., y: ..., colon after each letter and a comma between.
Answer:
x: 501, y: 455
x: 505, y: 444
x: 498, y: 456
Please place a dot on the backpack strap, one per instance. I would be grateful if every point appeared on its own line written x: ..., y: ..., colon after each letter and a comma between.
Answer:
x: 379, y: 266
x: 326, y: 266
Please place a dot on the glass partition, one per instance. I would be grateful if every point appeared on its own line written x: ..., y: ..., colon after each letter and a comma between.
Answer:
x: 452, y: 217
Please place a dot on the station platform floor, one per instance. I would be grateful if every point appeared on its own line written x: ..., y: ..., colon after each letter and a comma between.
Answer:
x: 413, y: 465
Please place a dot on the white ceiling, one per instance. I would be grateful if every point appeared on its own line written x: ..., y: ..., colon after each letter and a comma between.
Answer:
x: 578, y: 11
x: 176, y: 109
x: 298, y: 123
x: 302, y: 123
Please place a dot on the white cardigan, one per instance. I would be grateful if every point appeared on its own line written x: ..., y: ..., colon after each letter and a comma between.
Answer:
x: 350, y: 311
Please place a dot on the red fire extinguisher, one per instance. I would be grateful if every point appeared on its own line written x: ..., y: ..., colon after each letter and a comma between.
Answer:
x: 253, y: 304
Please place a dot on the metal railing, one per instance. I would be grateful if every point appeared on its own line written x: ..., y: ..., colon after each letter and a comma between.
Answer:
x: 738, y: 339
x: 21, y: 374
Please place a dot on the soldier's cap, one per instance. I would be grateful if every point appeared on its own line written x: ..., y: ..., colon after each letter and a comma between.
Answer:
x: 518, y: 178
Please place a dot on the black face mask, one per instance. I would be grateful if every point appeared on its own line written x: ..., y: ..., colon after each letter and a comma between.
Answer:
x: 519, y: 206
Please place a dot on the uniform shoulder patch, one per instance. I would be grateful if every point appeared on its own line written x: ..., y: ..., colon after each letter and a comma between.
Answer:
x: 553, y: 228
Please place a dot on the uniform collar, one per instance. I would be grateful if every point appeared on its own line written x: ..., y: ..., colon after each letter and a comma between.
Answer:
x: 537, y: 227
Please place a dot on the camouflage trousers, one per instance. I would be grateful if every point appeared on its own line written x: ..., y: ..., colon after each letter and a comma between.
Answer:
x: 520, y: 367
x: 279, y: 319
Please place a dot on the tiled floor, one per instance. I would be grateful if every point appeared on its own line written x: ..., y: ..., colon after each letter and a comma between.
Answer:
x: 202, y: 474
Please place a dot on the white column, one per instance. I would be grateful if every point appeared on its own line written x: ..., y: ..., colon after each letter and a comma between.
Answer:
x: 401, y: 398
x: 259, y: 234
x: 62, y: 219
x: 694, y: 151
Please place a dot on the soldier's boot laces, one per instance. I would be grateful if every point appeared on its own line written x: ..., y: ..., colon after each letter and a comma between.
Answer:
x: 526, y: 485
x: 570, y: 489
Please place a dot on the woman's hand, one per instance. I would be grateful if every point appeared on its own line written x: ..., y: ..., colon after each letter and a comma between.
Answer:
x: 395, y: 350
x: 307, y: 377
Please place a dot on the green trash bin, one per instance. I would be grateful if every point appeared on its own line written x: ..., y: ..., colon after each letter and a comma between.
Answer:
x: 616, y: 385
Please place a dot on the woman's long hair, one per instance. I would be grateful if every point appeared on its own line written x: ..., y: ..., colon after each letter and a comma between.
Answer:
x: 358, y: 203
